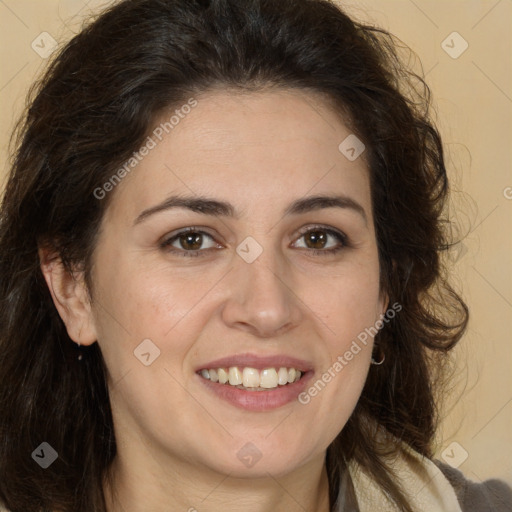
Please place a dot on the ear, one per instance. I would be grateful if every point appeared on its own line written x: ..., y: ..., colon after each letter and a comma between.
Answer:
x: 69, y: 294
x: 384, y: 302
x: 381, y: 305
x: 383, y: 295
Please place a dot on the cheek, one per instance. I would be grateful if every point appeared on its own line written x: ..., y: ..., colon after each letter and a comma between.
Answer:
x: 347, y: 302
x: 348, y: 307
x: 134, y: 303
x: 143, y: 300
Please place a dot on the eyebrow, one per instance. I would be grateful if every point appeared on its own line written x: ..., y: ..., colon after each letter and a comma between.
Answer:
x: 210, y: 206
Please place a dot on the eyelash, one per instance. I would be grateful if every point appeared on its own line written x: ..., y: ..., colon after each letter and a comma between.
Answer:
x: 341, y: 237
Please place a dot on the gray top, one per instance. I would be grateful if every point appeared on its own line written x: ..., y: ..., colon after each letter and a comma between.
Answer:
x: 489, y: 496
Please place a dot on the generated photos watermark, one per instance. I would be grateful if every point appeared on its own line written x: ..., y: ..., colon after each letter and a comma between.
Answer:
x: 343, y: 360
x: 151, y: 143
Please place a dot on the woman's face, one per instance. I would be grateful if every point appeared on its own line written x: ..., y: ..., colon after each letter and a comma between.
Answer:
x: 266, y: 279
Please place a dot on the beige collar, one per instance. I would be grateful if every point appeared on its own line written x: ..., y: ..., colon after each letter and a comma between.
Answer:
x: 423, y: 482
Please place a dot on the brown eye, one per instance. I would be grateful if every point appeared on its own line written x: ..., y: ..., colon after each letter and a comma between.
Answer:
x: 191, y: 241
x: 315, y: 239
x: 322, y: 241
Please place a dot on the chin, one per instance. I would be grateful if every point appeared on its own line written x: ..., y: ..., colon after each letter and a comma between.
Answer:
x: 258, y: 458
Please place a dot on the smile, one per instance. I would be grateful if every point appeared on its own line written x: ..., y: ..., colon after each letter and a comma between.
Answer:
x: 252, y: 379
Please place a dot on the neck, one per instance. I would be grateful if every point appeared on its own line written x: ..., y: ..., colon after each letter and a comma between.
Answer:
x: 160, y: 484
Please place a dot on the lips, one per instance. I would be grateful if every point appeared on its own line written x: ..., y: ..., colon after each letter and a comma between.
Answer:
x: 257, y: 399
x: 258, y: 362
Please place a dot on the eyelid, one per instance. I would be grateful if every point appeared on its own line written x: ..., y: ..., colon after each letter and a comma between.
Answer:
x: 329, y: 229
x: 189, y: 229
x: 166, y: 241
x: 336, y: 233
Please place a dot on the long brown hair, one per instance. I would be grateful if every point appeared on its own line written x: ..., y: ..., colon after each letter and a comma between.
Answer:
x: 94, y: 107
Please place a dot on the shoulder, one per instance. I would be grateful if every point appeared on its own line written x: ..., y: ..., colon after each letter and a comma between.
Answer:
x: 488, y: 496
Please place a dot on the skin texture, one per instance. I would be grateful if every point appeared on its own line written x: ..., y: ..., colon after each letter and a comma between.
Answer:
x: 177, y: 441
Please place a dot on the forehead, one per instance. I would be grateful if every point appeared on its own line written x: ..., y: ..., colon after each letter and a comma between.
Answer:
x: 271, y: 146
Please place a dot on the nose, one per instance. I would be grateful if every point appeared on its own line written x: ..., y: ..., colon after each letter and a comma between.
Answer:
x: 261, y: 297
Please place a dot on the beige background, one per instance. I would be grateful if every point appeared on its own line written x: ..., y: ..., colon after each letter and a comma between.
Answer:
x: 473, y: 99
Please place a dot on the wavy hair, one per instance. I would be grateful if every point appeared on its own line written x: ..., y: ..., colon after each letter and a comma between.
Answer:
x: 94, y: 106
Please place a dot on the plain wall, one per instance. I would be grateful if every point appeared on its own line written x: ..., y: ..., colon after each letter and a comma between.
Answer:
x: 472, y: 96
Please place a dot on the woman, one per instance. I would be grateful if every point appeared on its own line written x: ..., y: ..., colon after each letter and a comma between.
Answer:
x: 221, y: 277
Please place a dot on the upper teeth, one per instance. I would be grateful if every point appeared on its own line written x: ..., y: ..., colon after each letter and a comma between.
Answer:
x: 251, y: 377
